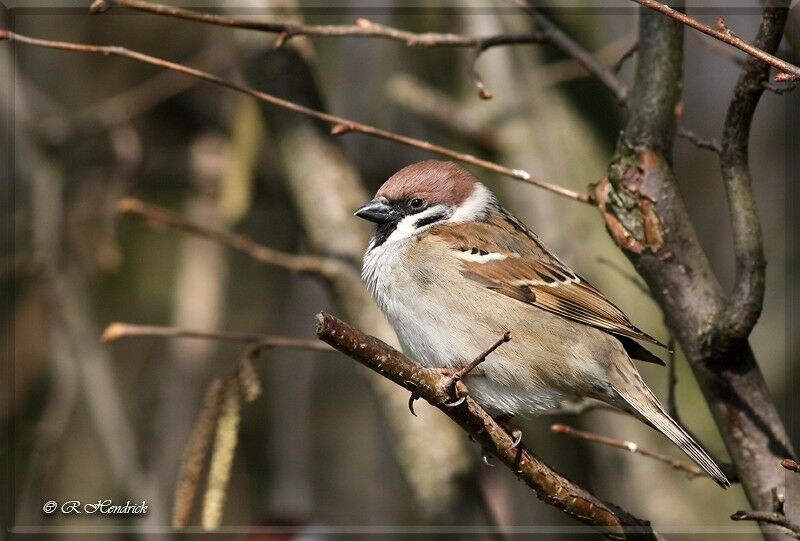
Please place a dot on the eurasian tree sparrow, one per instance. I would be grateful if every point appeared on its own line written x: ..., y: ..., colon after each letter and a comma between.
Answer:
x: 453, y: 270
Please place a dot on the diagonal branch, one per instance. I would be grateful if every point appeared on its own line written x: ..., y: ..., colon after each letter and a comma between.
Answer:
x: 691, y: 470
x: 328, y: 268
x: 743, y: 308
x: 429, y: 384
x: 340, y: 125
x: 787, y: 71
x: 119, y: 330
x: 362, y: 28
x: 570, y: 47
x: 770, y: 517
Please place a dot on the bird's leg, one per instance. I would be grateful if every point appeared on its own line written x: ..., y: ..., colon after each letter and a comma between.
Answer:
x: 504, y: 420
x: 457, y: 392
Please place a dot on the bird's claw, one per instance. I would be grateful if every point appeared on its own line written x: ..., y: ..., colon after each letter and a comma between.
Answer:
x: 517, y: 435
x: 485, y: 458
x: 411, y: 399
x: 456, y: 402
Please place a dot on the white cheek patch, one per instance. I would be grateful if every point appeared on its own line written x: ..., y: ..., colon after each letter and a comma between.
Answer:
x: 407, y: 227
x: 475, y: 206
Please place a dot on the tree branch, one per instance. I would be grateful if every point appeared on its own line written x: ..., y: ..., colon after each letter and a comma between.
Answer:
x: 708, y: 144
x: 646, y: 216
x: 429, y: 384
x: 362, y: 28
x: 744, y: 306
x: 768, y: 517
x: 328, y: 268
x: 339, y: 124
x: 787, y: 71
x: 570, y: 47
x: 119, y: 330
x: 691, y: 470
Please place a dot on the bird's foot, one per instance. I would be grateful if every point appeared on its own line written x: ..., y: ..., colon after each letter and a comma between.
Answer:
x: 504, y: 420
x: 454, y: 387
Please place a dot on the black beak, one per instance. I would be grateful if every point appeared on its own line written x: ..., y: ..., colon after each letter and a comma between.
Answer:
x: 376, y: 211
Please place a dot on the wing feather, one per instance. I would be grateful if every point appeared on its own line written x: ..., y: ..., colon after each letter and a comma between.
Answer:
x: 530, y: 273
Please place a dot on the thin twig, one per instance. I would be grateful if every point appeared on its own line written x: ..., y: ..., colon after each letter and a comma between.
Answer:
x: 459, y: 374
x: 326, y: 267
x: 119, y: 330
x: 363, y: 28
x: 672, y: 381
x: 579, y: 407
x: 430, y: 384
x: 482, y: 357
x: 570, y: 47
x: 787, y: 71
x: 690, y: 469
x: 790, y: 465
x: 339, y: 124
x: 625, y: 56
x: 435, y: 106
x: 631, y: 277
x: 775, y: 89
x: 709, y: 144
x: 769, y: 517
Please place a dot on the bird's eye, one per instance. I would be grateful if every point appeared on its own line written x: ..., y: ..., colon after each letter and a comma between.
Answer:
x: 417, y: 203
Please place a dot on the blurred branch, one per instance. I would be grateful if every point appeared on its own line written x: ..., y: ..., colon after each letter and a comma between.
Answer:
x: 339, y: 124
x: 767, y: 517
x: 327, y: 268
x: 691, y: 470
x: 434, y: 387
x: 362, y: 28
x: 625, y: 56
x: 787, y: 71
x: 579, y: 407
x: 117, y: 331
x: 790, y: 464
x: 570, y: 47
x: 436, y: 106
x: 743, y: 308
x: 709, y: 144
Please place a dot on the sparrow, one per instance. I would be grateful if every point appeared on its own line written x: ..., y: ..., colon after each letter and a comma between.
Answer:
x: 453, y: 270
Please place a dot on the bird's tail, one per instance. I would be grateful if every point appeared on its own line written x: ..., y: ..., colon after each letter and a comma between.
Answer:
x: 645, y: 405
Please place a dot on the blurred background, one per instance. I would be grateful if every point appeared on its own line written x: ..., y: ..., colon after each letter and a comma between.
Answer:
x: 326, y: 448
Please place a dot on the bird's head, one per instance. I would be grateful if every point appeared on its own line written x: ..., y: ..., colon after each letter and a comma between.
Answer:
x: 421, y: 195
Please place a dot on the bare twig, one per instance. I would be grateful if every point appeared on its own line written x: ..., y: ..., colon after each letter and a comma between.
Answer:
x: 775, y: 89
x: 363, y: 28
x: 743, y: 308
x: 629, y: 276
x: 790, y: 465
x: 672, y: 381
x: 117, y: 331
x: 459, y: 374
x: 708, y: 144
x: 339, y: 124
x: 787, y: 71
x: 579, y: 407
x: 570, y: 47
x: 328, y: 268
x: 625, y: 56
x: 691, y: 470
x: 769, y: 517
x: 429, y: 384
x: 436, y: 106
x: 482, y: 357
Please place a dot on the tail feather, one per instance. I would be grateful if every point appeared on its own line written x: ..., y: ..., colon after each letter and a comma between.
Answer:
x: 647, y: 406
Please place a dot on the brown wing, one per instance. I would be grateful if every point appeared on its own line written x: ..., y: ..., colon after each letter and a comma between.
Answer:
x: 506, y: 257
